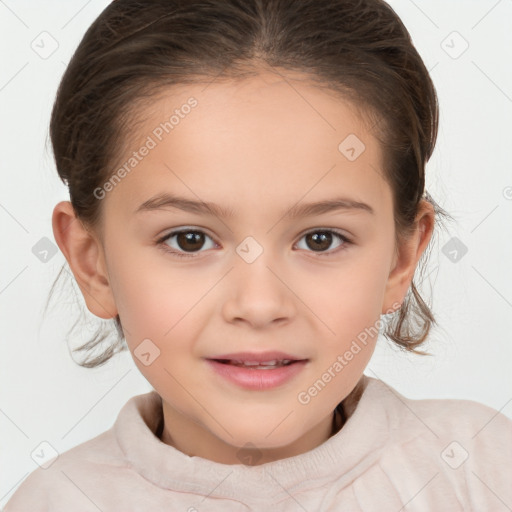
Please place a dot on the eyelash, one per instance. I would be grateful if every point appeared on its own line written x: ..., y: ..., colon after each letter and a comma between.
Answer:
x: 161, y: 242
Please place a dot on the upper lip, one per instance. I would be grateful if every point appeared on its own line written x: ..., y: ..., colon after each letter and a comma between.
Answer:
x: 258, y: 357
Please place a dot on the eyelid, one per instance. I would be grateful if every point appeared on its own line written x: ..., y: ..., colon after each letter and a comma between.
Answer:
x: 160, y: 241
x: 338, y: 231
x: 181, y: 229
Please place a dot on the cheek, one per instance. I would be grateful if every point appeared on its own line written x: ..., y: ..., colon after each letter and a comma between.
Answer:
x: 161, y: 314
x: 350, y: 298
x: 155, y: 302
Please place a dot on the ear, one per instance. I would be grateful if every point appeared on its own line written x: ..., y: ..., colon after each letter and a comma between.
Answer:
x: 407, y: 257
x: 84, y: 254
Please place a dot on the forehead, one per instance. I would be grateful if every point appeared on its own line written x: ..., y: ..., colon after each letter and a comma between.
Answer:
x: 247, y: 142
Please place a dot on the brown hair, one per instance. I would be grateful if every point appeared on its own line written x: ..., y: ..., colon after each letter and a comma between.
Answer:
x: 357, y: 48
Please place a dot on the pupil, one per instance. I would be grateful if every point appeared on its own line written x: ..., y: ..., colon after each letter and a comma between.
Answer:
x: 322, y: 242
x: 193, y: 238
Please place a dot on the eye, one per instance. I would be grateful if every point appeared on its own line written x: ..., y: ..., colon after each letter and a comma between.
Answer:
x: 321, y: 239
x: 185, y: 241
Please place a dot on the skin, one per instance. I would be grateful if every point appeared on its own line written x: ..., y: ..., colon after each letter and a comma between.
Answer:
x: 258, y: 147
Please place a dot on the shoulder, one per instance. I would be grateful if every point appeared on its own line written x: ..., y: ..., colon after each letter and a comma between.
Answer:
x: 30, y: 495
x: 60, y: 475
x: 464, y: 419
x: 444, y: 416
x: 465, y: 444
x: 66, y: 481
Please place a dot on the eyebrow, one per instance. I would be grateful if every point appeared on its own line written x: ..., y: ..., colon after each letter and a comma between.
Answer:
x: 165, y: 200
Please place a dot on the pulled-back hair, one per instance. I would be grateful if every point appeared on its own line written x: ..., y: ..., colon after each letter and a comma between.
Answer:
x: 136, y: 49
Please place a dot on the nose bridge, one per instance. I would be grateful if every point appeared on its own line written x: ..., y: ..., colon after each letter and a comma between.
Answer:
x: 258, y: 293
x: 253, y: 268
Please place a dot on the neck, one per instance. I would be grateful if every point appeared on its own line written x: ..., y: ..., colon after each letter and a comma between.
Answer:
x: 194, y: 439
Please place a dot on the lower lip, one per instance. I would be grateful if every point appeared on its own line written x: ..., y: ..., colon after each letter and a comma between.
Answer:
x: 257, y: 379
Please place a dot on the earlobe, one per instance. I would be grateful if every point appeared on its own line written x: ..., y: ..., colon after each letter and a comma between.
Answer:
x: 407, y: 257
x: 84, y: 254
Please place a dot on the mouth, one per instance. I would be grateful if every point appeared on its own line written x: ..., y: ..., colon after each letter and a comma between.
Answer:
x: 256, y: 365
x: 255, y: 371
x: 267, y: 360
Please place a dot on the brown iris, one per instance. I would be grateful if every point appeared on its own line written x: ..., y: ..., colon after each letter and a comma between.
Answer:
x: 190, y: 240
x: 320, y: 239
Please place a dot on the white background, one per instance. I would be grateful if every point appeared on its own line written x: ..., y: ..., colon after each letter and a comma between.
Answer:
x: 44, y: 395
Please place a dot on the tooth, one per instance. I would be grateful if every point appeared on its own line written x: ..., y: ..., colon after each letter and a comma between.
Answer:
x: 256, y: 363
x: 263, y: 364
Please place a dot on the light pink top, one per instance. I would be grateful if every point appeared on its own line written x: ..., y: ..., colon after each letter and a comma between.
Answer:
x: 392, y: 454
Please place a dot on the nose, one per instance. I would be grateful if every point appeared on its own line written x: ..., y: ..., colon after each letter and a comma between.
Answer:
x: 258, y: 294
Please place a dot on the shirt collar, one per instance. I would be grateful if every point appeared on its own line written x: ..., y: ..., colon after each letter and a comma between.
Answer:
x: 343, y: 456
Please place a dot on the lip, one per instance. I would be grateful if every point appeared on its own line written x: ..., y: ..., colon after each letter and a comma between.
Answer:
x: 259, y: 357
x: 257, y: 380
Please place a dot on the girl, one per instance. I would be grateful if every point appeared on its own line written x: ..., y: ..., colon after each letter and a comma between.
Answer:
x: 248, y: 203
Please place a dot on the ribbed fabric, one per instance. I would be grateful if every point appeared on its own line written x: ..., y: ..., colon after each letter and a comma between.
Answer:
x: 392, y: 454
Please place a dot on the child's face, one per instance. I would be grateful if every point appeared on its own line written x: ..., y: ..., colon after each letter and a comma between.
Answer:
x: 256, y: 148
